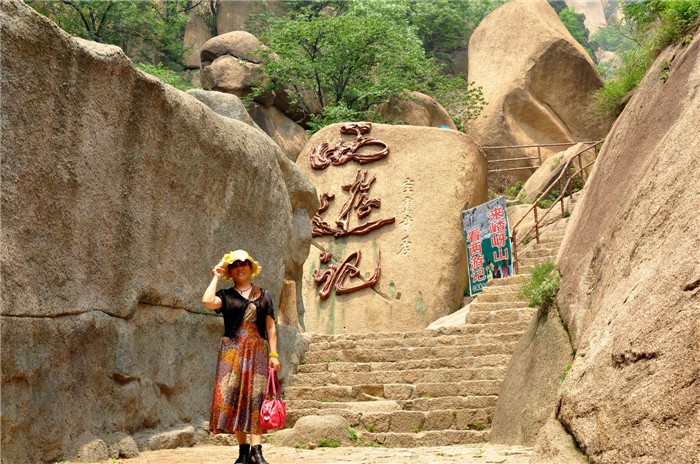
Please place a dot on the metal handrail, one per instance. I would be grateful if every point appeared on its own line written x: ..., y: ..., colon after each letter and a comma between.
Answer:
x: 539, y: 146
x: 560, y: 199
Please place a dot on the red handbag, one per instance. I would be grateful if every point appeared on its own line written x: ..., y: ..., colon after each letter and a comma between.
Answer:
x: 273, y: 413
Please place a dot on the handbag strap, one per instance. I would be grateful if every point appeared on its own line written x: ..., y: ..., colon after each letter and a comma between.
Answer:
x: 273, y: 381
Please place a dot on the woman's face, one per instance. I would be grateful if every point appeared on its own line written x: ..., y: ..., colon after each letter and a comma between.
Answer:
x: 240, y: 271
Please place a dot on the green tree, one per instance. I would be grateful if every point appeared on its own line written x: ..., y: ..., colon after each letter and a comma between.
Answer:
x: 146, y: 30
x: 574, y: 22
x: 447, y: 25
x: 345, y: 64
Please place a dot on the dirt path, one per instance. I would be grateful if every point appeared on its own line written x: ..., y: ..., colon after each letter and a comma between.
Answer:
x: 345, y: 455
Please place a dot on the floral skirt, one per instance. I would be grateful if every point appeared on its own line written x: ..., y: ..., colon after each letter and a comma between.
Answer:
x: 241, y: 378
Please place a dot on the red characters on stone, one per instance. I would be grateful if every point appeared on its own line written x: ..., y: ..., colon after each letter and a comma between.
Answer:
x: 334, y: 277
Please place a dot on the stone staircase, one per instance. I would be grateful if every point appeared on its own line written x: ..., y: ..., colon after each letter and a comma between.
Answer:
x: 422, y: 388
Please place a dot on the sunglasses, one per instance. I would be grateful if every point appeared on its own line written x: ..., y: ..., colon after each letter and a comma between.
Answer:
x: 236, y: 264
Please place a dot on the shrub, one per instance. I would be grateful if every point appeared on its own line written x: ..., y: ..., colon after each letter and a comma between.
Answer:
x: 543, y: 285
x: 328, y: 443
x: 166, y: 75
x: 655, y: 25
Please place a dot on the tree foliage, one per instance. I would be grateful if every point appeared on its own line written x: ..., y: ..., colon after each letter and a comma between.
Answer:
x: 147, y: 30
x: 346, y: 62
x: 647, y: 28
x: 445, y: 26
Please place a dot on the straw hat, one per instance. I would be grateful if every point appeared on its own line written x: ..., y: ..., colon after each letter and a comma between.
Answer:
x: 239, y: 255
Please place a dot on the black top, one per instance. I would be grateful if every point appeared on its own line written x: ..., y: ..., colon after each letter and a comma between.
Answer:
x: 233, y: 306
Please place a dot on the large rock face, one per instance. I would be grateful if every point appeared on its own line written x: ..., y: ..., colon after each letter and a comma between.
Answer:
x: 418, y: 109
x: 630, y: 293
x: 529, y: 390
x: 230, y: 63
x: 545, y: 92
x: 428, y: 178
x: 233, y: 15
x: 224, y: 104
x: 197, y: 33
x: 119, y: 194
x: 290, y: 136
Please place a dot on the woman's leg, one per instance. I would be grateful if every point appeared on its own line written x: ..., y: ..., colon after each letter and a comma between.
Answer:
x: 243, y: 448
x: 256, y: 456
x: 242, y: 438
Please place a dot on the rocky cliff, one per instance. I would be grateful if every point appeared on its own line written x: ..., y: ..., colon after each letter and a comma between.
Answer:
x: 119, y: 194
x: 630, y: 289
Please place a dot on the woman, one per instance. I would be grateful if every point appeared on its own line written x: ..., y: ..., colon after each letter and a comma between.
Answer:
x: 243, y: 363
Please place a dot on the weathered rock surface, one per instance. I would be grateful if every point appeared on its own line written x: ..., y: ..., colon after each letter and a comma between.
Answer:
x: 529, y: 389
x: 119, y: 194
x: 290, y: 136
x: 555, y: 446
x: 428, y: 178
x: 545, y: 94
x: 552, y: 167
x: 224, y: 104
x: 230, y: 63
x: 630, y: 294
x: 310, y: 430
x: 197, y: 33
x: 418, y: 110
x: 233, y: 15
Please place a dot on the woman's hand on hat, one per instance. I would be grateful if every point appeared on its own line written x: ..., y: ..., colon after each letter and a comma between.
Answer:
x: 218, y: 271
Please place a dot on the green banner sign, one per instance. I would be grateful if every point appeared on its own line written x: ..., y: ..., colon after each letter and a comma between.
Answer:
x: 489, y: 250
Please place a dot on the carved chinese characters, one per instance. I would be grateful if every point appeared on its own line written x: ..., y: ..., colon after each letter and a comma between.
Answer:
x: 322, y: 156
x: 405, y: 208
x: 407, y: 220
x: 358, y: 202
x: 335, y: 277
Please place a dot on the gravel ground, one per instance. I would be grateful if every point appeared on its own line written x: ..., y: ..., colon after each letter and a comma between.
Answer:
x: 471, y: 454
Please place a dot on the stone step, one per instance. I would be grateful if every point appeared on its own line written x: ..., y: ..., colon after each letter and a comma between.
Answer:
x: 351, y: 378
x: 417, y: 404
x: 397, y: 335
x: 492, y: 360
x: 403, y: 421
x: 511, y: 280
x: 382, y: 343
x: 496, y: 328
x: 428, y: 438
x: 365, y: 355
x: 538, y: 253
x: 478, y: 305
x: 531, y: 262
x: 372, y: 392
x: 496, y: 289
x: 547, y: 238
x: 511, y: 295
x: 503, y: 315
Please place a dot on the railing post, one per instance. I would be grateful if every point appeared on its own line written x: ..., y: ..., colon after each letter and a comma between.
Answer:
x: 514, y: 245
x: 539, y: 157
x: 537, y: 228
x: 561, y: 196
x: 580, y: 170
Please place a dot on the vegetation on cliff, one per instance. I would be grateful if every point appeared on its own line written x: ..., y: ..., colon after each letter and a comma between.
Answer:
x: 148, y: 31
x: 647, y: 28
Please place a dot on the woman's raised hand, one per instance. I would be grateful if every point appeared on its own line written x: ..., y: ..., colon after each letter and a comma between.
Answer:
x: 218, y: 271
